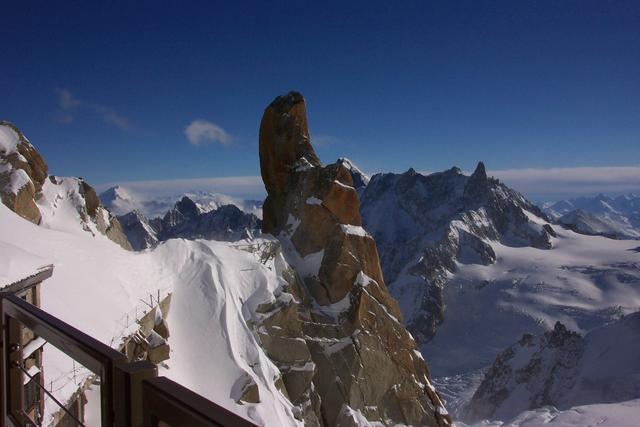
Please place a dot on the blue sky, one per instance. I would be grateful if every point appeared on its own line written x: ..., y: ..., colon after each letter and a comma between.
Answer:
x: 106, y: 92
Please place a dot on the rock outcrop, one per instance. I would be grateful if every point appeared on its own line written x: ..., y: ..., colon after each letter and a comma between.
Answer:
x: 186, y: 220
x: 22, y: 173
x: 365, y: 363
x: 25, y: 189
x: 614, y: 217
x: 359, y: 178
x: 69, y: 201
x: 562, y: 369
x: 440, y: 220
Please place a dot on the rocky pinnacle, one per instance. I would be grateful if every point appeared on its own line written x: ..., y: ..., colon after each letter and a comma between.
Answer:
x: 365, y: 362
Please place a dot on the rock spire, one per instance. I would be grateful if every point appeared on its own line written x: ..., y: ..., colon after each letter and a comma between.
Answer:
x: 366, y: 364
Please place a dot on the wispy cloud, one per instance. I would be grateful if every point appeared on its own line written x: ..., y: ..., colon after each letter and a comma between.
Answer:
x: 200, y: 132
x: 536, y: 184
x: 555, y: 183
x: 70, y: 106
x: 322, y: 140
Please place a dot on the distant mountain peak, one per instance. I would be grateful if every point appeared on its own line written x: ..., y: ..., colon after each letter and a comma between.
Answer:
x: 615, y: 217
x: 187, y: 207
x: 480, y: 173
x: 360, y: 179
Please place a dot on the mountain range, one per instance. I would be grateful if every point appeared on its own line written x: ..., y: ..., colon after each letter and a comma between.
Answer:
x: 348, y: 299
x: 614, y: 217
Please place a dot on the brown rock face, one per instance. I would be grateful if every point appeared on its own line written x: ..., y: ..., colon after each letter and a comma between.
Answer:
x: 25, y: 159
x: 106, y: 223
x: 23, y: 164
x: 365, y: 360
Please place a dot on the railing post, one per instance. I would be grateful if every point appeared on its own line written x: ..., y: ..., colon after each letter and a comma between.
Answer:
x: 128, y: 391
x: 3, y: 386
x: 12, y: 359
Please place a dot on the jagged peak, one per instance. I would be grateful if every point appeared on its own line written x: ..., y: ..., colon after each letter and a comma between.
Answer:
x: 284, y: 103
x: 285, y: 145
x: 480, y: 172
x: 187, y: 207
x: 360, y: 179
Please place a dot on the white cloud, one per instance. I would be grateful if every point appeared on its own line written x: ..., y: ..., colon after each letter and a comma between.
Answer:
x: 323, y: 140
x: 556, y: 183
x: 69, y: 105
x: 110, y: 117
x: 202, y: 131
x: 66, y: 100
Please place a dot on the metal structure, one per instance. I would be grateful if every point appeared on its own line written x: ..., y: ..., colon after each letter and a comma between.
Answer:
x: 131, y: 393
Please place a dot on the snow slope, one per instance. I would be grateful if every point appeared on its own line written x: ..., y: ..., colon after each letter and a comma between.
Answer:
x: 622, y: 414
x: 563, y: 369
x: 617, y: 217
x: 96, y: 284
x: 121, y: 200
x: 583, y: 282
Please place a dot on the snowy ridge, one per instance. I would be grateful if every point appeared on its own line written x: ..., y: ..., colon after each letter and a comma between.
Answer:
x: 360, y: 179
x: 562, y: 369
x: 188, y: 220
x: 440, y: 221
x: 18, y: 178
x: 215, y: 291
x: 622, y: 414
x: 121, y: 200
x: 615, y: 217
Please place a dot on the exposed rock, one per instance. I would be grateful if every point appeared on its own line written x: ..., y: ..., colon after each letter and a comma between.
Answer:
x: 23, y: 181
x: 63, y: 195
x: 22, y: 173
x: 440, y: 220
x: 562, y: 369
x: 363, y: 357
x: 186, y: 220
x: 613, y: 217
x: 227, y: 222
x: 560, y: 350
x: 138, y: 230
x: 246, y: 390
x: 360, y: 180
x: 281, y: 335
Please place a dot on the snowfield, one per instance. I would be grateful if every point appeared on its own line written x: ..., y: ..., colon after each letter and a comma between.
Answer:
x: 96, y: 285
x: 583, y: 281
x: 622, y: 414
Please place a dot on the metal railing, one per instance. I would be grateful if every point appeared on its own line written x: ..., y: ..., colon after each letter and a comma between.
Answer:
x: 130, y: 392
x: 169, y: 402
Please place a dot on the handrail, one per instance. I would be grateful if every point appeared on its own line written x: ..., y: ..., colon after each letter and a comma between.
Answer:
x: 131, y: 393
x: 167, y: 401
x: 94, y: 355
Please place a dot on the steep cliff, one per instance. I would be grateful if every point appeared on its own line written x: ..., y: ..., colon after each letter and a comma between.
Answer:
x: 22, y: 173
x: 366, y: 364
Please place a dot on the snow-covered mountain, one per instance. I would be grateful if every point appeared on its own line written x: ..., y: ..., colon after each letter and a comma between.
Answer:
x: 51, y: 201
x: 359, y: 178
x: 121, y: 200
x: 188, y: 221
x: 562, y: 369
x: 425, y: 226
x: 615, y: 217
x: 475, y: 265
x: 619, y: 414
x: 216, y: 289
x: 276, y: 337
